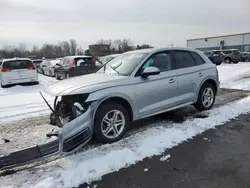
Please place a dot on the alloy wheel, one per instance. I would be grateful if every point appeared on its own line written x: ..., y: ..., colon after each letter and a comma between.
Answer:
x: 113, y: 124
x: 207, y: 97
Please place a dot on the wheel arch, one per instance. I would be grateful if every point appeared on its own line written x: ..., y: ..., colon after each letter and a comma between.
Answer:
x: 121, y: 99
x: 210, y: 81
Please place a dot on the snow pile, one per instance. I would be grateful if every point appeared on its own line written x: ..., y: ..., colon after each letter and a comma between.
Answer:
x: 94, y: 163
x: 20, y: 102
x: 235, y: 76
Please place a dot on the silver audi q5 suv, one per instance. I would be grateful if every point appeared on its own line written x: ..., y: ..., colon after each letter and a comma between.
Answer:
x: 132, y: 86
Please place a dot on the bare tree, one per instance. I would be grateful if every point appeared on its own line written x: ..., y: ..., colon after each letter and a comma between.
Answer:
x: 73, y: 46
x: 80, y: 51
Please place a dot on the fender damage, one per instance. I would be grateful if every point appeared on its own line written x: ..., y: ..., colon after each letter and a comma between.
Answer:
x: 74, y: 116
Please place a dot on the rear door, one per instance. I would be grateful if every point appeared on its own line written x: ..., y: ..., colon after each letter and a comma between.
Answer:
x: 84, y: 65
x: 188, y: 75
x: 62, y: 69
x: 18, y: 69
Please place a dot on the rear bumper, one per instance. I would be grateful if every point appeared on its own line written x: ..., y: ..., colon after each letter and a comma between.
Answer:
x: 71, y: 137
x: 9, y: 81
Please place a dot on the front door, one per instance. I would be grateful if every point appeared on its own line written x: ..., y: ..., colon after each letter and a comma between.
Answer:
x: 157, y: 93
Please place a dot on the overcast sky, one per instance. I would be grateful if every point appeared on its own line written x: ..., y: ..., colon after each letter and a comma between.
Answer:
x: 155, y: 22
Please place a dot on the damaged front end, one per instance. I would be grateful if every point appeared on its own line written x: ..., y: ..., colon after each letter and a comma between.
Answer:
x: 74, y: 116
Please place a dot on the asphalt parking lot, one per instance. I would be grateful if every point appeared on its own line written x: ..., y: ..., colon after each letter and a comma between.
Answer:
x: 218, y: 158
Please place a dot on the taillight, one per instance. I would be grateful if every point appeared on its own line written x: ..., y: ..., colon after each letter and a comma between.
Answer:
x: 74, y: 63
x: 6, y: 70
x: 31, y: 68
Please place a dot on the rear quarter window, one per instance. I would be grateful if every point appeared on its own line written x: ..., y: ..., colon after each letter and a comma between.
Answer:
x: 183, y: 59
x: 84, y: 61
x: 197, y: 58
x: 17, y: 64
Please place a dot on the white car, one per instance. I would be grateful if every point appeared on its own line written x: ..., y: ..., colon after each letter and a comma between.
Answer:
x: 49, y: 68
x: 18, y: 70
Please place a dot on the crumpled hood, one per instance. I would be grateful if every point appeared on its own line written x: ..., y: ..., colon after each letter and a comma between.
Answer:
x: 83, y: 84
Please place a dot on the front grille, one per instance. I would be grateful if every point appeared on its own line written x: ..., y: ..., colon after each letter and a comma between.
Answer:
x: 76, y: 140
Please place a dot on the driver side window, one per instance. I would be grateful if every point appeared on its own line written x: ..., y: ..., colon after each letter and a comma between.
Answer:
x: 162, y: 61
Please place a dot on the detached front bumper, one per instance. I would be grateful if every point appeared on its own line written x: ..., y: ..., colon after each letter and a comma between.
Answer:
x: 70, y: 138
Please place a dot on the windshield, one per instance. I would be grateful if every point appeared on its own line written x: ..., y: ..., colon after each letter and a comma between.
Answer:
x: 123, y: 64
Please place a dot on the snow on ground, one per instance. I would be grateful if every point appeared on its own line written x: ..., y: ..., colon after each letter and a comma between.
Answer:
x: 21, y: 102
x: 94, y: 163
x: 235, y: 76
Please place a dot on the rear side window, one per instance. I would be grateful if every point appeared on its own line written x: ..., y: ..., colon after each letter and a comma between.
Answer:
x: 84, y: 61
x: 236, y: 52
x: 183, y: 59
x: 197, y: 58
x: 17, y: 64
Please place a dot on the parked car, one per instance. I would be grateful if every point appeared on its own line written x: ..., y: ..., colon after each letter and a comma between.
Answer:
x: 50, y: 66
x: 231, y: 55
x: 71, y: 66
x: 245, y: 56
x: 37, y: 62
x: 1, y: 62
x: 42, y: 66
x: 105, y: 59
x: 215, y: 56
x: 18, y: 70
x: 132, y: 86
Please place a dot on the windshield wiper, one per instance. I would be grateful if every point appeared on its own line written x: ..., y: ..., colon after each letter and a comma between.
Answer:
x: 114, y: 68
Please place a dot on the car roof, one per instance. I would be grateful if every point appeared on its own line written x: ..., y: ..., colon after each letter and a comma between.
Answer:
x: 154, y: 50
x: 78, y: 56
x: 14, y: 59
x: 228, y: 49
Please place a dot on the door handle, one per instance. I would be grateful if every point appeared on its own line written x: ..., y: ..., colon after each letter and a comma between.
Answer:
x: 171, y: 80
x: 200, y: 74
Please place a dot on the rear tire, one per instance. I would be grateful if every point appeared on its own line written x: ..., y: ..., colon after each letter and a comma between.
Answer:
x: 105, y: 119
x: 57, y: 76
x: 201, y: 103
x: 227, y: 60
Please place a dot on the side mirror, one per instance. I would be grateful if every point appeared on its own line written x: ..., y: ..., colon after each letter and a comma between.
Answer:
x: 149, y: 71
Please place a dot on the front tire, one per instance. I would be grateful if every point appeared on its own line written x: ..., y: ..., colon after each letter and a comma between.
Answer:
x: 111, y: 122
x: 206, y: 97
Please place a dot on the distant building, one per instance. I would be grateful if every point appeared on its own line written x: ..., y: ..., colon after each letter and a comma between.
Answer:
x: 98, y: 50
x: 239, y: 41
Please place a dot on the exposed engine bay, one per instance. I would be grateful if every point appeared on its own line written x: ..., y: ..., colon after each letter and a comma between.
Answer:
x: 67, y: 108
